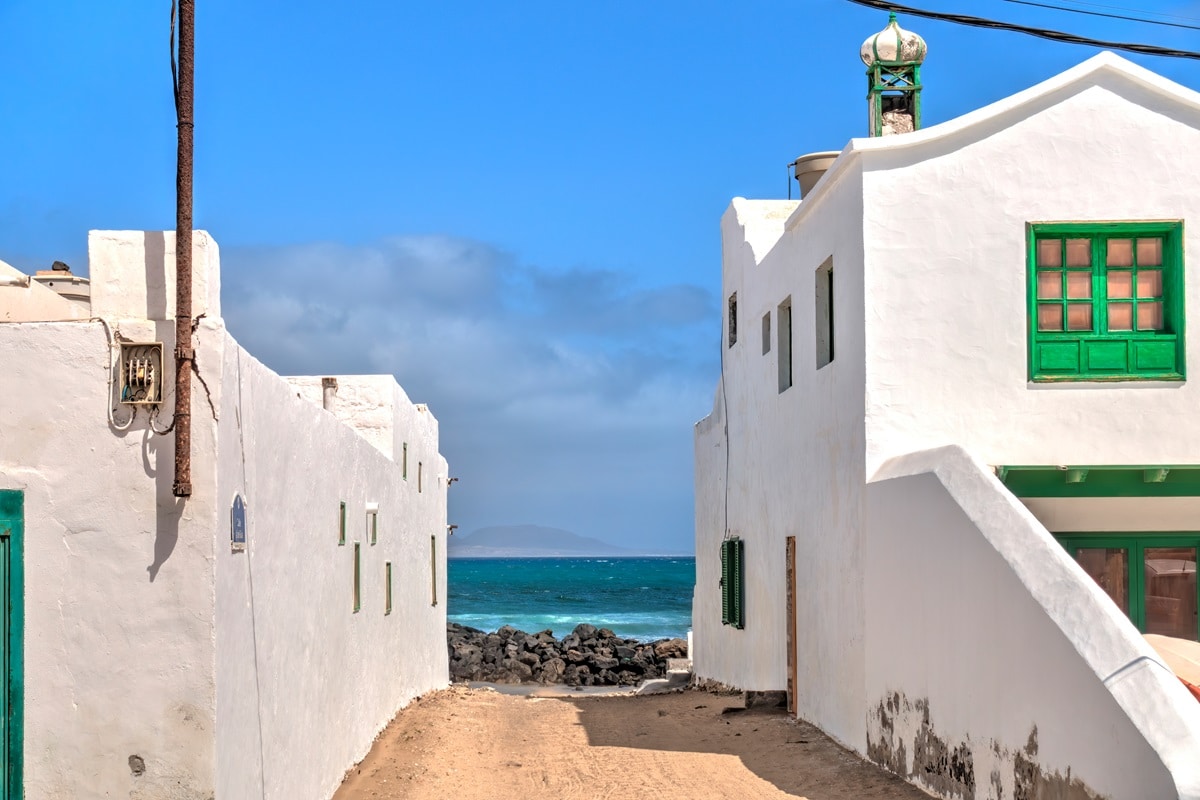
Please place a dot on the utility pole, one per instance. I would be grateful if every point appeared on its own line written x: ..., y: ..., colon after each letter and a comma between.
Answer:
x: 184, y: 354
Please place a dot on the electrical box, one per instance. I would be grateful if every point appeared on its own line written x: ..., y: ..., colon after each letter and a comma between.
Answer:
x: 141, y: 373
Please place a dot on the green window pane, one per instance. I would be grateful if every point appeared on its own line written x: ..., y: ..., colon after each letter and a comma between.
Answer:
x: 1150, y: 252
x: 1079, y: 317
x: 1149, y: 283
x: 1079, y: 252
x: 1171, y: 591
x: 1120, y: 284
x: 1079, y: 285
x: 1049, y: 285
x: 1109, y: 567
x: 1120, y: 253
x: 1049, y: 253
x: 1050, y: 317
x: 1150, y: 316
x: 1120, y: 316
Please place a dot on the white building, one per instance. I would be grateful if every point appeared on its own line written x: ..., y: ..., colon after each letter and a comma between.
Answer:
x: 954, y: 391
x: 150, y: 653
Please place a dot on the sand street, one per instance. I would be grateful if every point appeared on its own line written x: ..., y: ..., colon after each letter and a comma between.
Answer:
x: 478, y: 744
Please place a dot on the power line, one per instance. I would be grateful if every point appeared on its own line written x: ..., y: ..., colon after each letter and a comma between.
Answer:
x: 1043, y: 33
x: 1130, y: 10
x: 1105, y: 14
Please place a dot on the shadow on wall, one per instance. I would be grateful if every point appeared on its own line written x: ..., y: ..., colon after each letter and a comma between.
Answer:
x: 794, y: 756
x: 156, y: 275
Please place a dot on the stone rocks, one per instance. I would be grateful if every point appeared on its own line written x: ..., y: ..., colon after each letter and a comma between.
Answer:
x: 585, y: 657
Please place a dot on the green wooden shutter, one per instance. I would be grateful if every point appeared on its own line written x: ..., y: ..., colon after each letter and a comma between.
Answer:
x: 725, y: 582
x: 737, y: 601
x: 733, y: 583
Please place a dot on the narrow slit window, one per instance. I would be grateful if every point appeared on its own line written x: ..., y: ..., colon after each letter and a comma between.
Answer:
x: 420, y: 476
x: 732, y: 321
x: 342, y: 523
x: 357, y: 577
x: 784, y: 350
x: 404, y: 461
x: 766, y: 333
x: 373, y: 523
x: 433, y: 566
x: 387, y: 587
x: 824, y: 313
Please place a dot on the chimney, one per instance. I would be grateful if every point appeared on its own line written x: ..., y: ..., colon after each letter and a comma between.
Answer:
x: 71, y: 287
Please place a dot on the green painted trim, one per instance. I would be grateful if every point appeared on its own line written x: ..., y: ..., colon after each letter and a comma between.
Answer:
x: 897, y: 77
x: 12, y: 517
x: 1102, y: 481
x: 1099, y: 354
x: 733, y: 583
x: 1135, y: 545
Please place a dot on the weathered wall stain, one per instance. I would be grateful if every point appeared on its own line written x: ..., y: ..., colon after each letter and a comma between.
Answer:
x: 898, y: 726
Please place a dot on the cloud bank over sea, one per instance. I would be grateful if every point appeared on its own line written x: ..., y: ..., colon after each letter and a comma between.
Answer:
x: 566, y: 397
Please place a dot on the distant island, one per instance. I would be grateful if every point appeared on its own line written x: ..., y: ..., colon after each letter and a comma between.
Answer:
x: 535, y: 541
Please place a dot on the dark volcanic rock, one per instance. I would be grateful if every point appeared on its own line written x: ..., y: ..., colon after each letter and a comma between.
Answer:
x: 588, y: 656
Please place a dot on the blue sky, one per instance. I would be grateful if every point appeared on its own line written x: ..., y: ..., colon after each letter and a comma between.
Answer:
x: 513, y: 208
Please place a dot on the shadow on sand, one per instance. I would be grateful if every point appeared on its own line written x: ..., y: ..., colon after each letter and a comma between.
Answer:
x: 792, y: 755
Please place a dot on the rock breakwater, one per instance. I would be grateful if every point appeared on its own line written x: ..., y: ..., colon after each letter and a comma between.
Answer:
x: 587, y: 656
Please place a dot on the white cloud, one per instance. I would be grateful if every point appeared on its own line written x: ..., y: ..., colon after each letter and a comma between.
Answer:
x: 565, y: 397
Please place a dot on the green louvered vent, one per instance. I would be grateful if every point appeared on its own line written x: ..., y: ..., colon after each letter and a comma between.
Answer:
x: 733, y: 583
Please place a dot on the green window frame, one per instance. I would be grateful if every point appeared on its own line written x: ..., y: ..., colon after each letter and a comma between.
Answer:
x: 387, y: 590
x: 1105, y: 301
x: 1135, y: 546
x: 357, y: 578
x: 733, y: 583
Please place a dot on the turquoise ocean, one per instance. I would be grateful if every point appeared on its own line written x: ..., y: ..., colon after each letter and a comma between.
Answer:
x: 637, y: 598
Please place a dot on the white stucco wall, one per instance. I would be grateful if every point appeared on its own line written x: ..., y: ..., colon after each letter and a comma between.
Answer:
x: 242, y: 674
x: 946, y: 271
x: 987, y: 643
x: 119, y: 599
x: 328, y: 679
x: 927, y: 234
x: 795, y: 461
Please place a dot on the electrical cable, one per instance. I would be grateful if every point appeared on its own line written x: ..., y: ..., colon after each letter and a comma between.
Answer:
x: 108, y: 335
x: 1104, y: 14
x: 1131, y: 10
x: 1043, y: 33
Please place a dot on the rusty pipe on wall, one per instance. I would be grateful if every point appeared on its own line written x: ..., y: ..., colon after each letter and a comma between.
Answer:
x: 184, y: 353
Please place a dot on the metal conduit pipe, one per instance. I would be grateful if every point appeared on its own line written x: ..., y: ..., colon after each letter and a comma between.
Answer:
x: 184, y: 353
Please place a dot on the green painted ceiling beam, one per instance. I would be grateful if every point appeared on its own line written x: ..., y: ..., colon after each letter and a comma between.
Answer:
x: 1087, y: 480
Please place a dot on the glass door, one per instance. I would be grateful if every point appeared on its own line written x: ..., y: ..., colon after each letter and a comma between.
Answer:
x: 1151, y: 577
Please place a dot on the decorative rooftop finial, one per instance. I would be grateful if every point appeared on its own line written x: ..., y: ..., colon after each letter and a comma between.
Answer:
x: 893, y: 58
x: 893, y: 45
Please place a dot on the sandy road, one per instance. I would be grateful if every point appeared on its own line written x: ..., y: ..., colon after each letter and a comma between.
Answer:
x: 476, y: 744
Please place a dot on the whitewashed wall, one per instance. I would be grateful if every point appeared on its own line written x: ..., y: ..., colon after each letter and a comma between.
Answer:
x: 986, y: 645
x: 241, y: 674
x: 927, y: 234
x: 795, y: 461
x: 947, y: 332
x: 328, y: 679
x: 118, y: 582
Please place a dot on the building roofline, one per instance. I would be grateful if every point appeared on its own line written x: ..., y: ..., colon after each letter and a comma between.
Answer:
x: 1087, y: 73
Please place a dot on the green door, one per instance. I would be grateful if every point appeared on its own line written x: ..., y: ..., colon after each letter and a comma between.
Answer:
x: 12, y: 528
